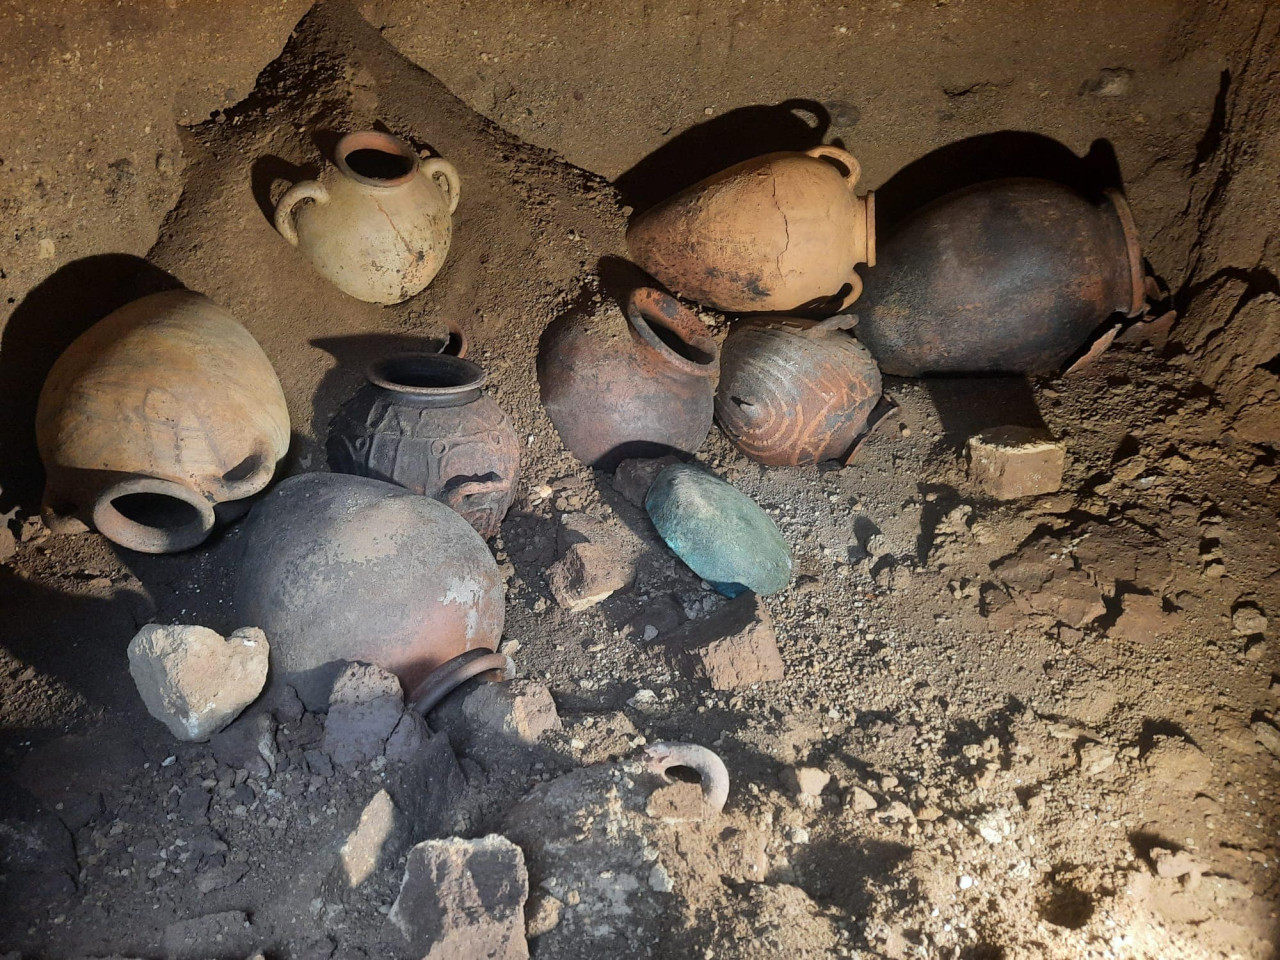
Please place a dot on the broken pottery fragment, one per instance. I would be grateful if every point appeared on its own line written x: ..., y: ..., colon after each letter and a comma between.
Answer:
x: 463, y: 898
x: 643, y: 390
x: 379, y: 222
x: 778, y: 232
x: 718, y: 531
x: 193, y: 680
x: 735, y: 646
x: 1013, y: 462
x: 338, y: 568
x: 586, y: 575
x: 153, y: 417
x: 661, y: 757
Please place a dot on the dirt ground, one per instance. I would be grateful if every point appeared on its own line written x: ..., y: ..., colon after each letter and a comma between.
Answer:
x: 1049, y: 723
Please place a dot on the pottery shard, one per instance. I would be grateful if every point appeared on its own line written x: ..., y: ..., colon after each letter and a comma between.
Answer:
x: 464, y: 898
x: 1142, y: 618
x: 365, y: 708
x: 1013, y: 462
x: 805, y: 782
x: 522, y: 709
x: 584, y: 576
x: 195, y: 681
x: 633, y: 478
x: 376, y: 838
x: 860, y: 800
x: 735, y: 646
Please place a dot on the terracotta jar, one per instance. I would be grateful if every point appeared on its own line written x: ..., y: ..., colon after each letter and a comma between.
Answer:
x: 155, y: 415
x: 339, y: 568
x: 795, y: 392
x: 424, y: 422
x: 379, y: 223
x: 781, y: 233
x: 1008, y: 276
x: 640, y: 390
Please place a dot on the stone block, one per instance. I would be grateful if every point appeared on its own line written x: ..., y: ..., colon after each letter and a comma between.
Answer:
x: 1012, y: 462
x: 195, y: 681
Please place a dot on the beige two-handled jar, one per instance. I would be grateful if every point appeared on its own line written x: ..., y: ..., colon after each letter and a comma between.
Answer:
x: 378, y: 222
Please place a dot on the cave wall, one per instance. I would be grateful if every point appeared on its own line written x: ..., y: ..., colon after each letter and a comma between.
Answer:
x: 1230, y: 294
x: 1174, y: 94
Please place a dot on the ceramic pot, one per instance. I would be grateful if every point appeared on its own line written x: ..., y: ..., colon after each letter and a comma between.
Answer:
x: 339, y: 568
x: 795, y: 392
x: 155, y: 415
x: 379, y: 222
x: 424, y: 422
x: 641, y: 390
x: 781, y: 233
x: 1008, y: 276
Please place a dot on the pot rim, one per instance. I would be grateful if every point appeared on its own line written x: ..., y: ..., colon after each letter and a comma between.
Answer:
x: 469, y: 377
x: 1133, y: 250
x: 151, y: 538
x: 647, y: 306
x: 382, y: 142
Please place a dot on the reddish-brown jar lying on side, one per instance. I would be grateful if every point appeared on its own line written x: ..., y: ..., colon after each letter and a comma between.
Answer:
x: 640, y: 389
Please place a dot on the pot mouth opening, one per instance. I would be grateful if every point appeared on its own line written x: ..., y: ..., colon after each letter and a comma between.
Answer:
x: 151, y: 515
x: 670, y: 328
x: 376, y: 159
x: 427, y: 375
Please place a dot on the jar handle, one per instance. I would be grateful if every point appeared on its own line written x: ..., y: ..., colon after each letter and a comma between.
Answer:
x: 842, y: 157
x: 446, y: 178
x: 456, y: 344
x: 841, y: 321
x: 855, y: 282
x: 453, y: 673
x: 455, y: 497
x: 306, y: 190
x: 251, y: 475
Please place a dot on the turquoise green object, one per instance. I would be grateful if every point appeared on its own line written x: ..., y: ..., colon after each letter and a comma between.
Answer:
x: 718, y: 531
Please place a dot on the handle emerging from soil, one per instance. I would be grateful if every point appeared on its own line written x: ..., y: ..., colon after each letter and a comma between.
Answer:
x: 714, y: 774
x: 452, y: 674
x: 306, y: 190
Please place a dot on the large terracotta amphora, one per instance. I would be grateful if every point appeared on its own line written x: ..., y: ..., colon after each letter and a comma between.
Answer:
x: 780, y: 233
x: 640, y: 388
x: 793, y: 391
x: 379, y: 222
x: 1007, y: 276
x: 339, y: 568
x: 155, y: 415
x: 424, y: 421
